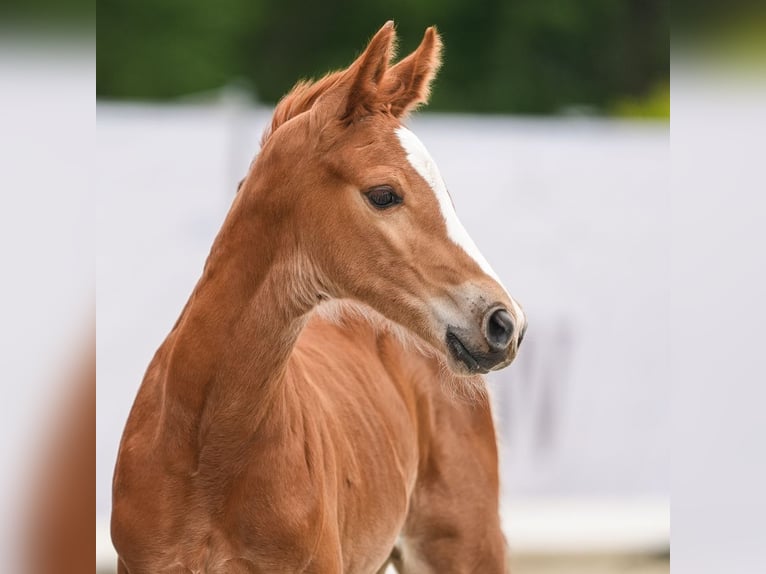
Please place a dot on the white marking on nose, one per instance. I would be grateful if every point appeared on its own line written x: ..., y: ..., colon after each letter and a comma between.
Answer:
x: 423, y: 163
x: 421, y: 160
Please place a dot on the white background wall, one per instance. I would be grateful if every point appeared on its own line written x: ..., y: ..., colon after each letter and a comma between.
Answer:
x: 573, y: 215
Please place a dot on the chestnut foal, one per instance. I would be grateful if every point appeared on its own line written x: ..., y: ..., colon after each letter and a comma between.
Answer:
x: 295, y: 419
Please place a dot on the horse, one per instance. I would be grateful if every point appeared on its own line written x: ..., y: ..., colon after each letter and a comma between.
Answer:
x: 298, y: 416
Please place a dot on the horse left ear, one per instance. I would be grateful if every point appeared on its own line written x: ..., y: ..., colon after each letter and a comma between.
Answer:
x: 408, y: 83
x: 367, y: 72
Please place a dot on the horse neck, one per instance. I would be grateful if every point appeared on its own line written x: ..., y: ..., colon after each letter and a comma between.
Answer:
x: 228, y: 353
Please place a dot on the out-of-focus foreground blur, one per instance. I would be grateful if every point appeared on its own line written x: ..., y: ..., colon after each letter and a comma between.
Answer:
x: 718, y: 278
x: 643, y: 283
x: 47, y: 320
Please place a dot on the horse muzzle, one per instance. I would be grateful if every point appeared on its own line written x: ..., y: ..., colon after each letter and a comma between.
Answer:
x: 491, y: 345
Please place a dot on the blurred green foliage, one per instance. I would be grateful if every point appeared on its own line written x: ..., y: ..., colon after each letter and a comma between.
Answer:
x: 50, y: 14
x: 519, y: 56
x: 654, y: 105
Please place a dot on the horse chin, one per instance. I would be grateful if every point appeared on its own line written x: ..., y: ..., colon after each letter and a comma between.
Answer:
x: 504, y: 364
x: 464, y: 359
x: 461, y: 360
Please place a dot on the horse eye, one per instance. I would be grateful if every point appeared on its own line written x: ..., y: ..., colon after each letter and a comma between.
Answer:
x: 382, y: 197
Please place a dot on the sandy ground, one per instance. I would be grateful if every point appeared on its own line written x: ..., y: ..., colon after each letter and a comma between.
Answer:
x: 590, y: 565
x: 577, y: 565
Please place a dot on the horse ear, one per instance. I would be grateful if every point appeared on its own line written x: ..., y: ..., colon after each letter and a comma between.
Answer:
x: 366, y: 74
x: 408, y: 83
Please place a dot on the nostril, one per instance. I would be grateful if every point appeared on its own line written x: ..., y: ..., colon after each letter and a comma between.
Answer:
x: 499, y: 329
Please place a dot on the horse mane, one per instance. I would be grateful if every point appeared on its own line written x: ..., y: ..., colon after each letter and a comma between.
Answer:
x: 298, y: 100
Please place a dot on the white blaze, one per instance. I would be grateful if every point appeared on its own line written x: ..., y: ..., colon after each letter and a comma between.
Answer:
x: 421, y: 160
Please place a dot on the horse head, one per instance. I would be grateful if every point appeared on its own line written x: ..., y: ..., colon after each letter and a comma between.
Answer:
x: 370, y: 216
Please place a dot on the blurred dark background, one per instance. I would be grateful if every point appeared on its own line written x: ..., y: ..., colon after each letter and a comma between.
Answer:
x: 603, y: 57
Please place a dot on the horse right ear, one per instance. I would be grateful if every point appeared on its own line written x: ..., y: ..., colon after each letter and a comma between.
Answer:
x: 408, y: 84
x: 367, y: 72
